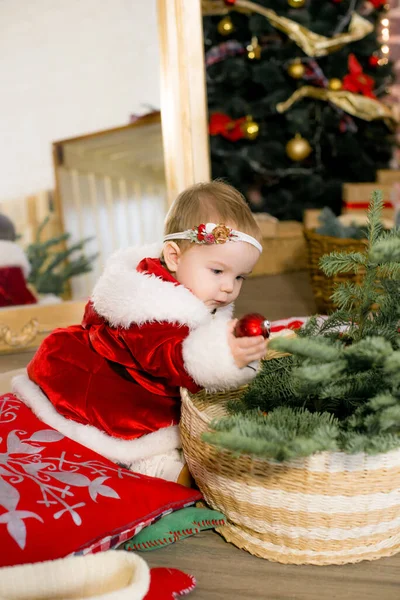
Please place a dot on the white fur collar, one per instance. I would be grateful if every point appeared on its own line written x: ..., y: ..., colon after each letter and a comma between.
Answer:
x: 124, y: 296
x: 12, y: 255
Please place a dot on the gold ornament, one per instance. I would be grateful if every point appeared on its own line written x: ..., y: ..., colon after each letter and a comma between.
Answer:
x: 357, y: 105
x: 311, y: 43
x: 296, y: 3
x: 296, y: 69
x: 251, y: 129
x: 335, y: 84
x: 253, y: 49
x: 298, y: 148
x: 225, y: 26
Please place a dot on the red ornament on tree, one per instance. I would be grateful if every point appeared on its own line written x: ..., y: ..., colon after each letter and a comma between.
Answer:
x: 378, y: 3
x: 357, y: 81
x: 252, y: 325
x: 231, y: 129
x: 230, y: 2
x: 373, y: 61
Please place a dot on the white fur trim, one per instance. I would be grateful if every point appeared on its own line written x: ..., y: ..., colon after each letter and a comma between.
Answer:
x: 208, y: 358
x: 12, y: 255
x: 79, y: 577
x: 124, y: 296
x: 115, y: 449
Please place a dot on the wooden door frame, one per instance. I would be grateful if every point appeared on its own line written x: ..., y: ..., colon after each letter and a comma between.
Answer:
x: 183, y: 94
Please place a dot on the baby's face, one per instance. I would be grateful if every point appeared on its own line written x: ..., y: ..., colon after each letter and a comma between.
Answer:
x: 215, y: 273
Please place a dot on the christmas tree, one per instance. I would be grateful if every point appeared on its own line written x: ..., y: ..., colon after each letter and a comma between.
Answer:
x: 295, y: 91
x: 339, y: 388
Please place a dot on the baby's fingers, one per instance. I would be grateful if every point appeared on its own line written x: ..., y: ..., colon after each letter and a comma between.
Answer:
x: 251, y: 342
x: 232, y: 325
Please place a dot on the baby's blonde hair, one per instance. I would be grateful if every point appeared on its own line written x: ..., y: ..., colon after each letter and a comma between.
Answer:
x: 213, y: 202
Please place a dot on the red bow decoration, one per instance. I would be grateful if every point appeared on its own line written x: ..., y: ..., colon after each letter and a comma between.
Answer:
x: 377, y: 3
x: 231, y: 129
x: 356, y: 80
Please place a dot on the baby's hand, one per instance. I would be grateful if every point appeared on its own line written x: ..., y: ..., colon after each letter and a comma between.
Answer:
x: 245, y: 349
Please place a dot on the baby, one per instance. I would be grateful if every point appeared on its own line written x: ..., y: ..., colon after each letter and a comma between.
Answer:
x: 160, y: 318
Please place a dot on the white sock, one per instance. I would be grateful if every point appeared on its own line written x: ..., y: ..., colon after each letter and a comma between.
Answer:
x: 165, y: 466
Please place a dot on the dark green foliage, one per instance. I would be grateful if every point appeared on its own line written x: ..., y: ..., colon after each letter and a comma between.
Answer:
x: 51, y: 268
x: 345, y: 148
x: 345, y: 367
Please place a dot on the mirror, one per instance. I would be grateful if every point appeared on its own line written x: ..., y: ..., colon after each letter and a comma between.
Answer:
x: 75, y: 151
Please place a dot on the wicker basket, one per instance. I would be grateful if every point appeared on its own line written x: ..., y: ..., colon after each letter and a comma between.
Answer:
x: 323, y: 286
x: 330, y: 508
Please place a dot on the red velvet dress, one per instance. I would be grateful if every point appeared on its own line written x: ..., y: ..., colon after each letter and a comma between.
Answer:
x: 123, y: 381
x: 112, y: 383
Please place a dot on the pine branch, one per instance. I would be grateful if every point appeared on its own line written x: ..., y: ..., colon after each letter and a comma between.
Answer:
x: 342, y: 262
x: 346, y: 366
x: 346, y: 296
x: 386, y: 251
x: 50, y: 270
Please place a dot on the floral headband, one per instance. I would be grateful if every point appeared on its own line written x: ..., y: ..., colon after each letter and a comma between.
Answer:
x: 211, y: 233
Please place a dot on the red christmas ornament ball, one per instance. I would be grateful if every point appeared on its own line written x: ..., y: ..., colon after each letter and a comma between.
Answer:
x: 230, y: 2
x: 373, y: 61
x: 252, y: 325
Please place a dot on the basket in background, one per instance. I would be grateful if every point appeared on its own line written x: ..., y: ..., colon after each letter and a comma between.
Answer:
x: 323, y: 287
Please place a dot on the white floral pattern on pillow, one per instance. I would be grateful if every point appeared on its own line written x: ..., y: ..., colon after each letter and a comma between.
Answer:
x: 55, y: 477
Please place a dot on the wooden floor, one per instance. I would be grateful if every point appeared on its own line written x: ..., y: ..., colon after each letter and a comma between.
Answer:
x: 222, y: 571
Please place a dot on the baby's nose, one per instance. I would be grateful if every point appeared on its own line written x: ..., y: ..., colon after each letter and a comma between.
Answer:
x: 227, y: 287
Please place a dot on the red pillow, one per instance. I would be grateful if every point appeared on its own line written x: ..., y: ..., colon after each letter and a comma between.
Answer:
x: 58, y: 498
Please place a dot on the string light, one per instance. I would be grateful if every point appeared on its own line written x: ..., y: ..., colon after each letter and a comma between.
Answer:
x: 385, y: 35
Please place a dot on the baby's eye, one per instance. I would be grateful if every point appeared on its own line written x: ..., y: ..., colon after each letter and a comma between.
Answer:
x: 216, y: 271
x: 240, y: 277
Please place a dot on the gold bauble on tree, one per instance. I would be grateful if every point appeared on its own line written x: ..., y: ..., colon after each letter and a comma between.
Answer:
x: 298, y: 148
x: 296, y: 3
x: 296, y: 69
x: 254, y: 49
x: 250, y: 128
x: 335, y: 84
x: 225, y: 26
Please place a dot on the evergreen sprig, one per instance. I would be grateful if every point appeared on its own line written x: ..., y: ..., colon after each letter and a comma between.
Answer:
x: 330, y: 225
x: 339, y: 387
x: 52, y: 268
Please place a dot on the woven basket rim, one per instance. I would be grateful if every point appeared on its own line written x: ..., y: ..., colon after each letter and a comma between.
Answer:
x: 311, y: 233
x: 300, y: 462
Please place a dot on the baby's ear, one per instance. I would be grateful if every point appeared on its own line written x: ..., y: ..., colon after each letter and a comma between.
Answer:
x: 172, y: 254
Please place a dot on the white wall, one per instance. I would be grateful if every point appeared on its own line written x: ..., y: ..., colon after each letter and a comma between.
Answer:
x: 69, y: 67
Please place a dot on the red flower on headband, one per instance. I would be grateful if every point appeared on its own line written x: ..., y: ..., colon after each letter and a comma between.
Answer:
x: 201, y: 230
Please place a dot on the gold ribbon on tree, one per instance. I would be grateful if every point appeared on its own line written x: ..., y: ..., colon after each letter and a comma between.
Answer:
x: 311, y: 43
x: 368, y: 109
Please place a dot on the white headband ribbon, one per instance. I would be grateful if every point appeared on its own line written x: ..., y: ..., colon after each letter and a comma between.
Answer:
x: 211, y: 233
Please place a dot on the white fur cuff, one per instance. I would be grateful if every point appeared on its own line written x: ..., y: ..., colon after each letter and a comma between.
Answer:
x: 209, y: 361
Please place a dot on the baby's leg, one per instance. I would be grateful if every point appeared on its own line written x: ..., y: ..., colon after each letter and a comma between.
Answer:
x: 167, y: 466
x: 185, y: 477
